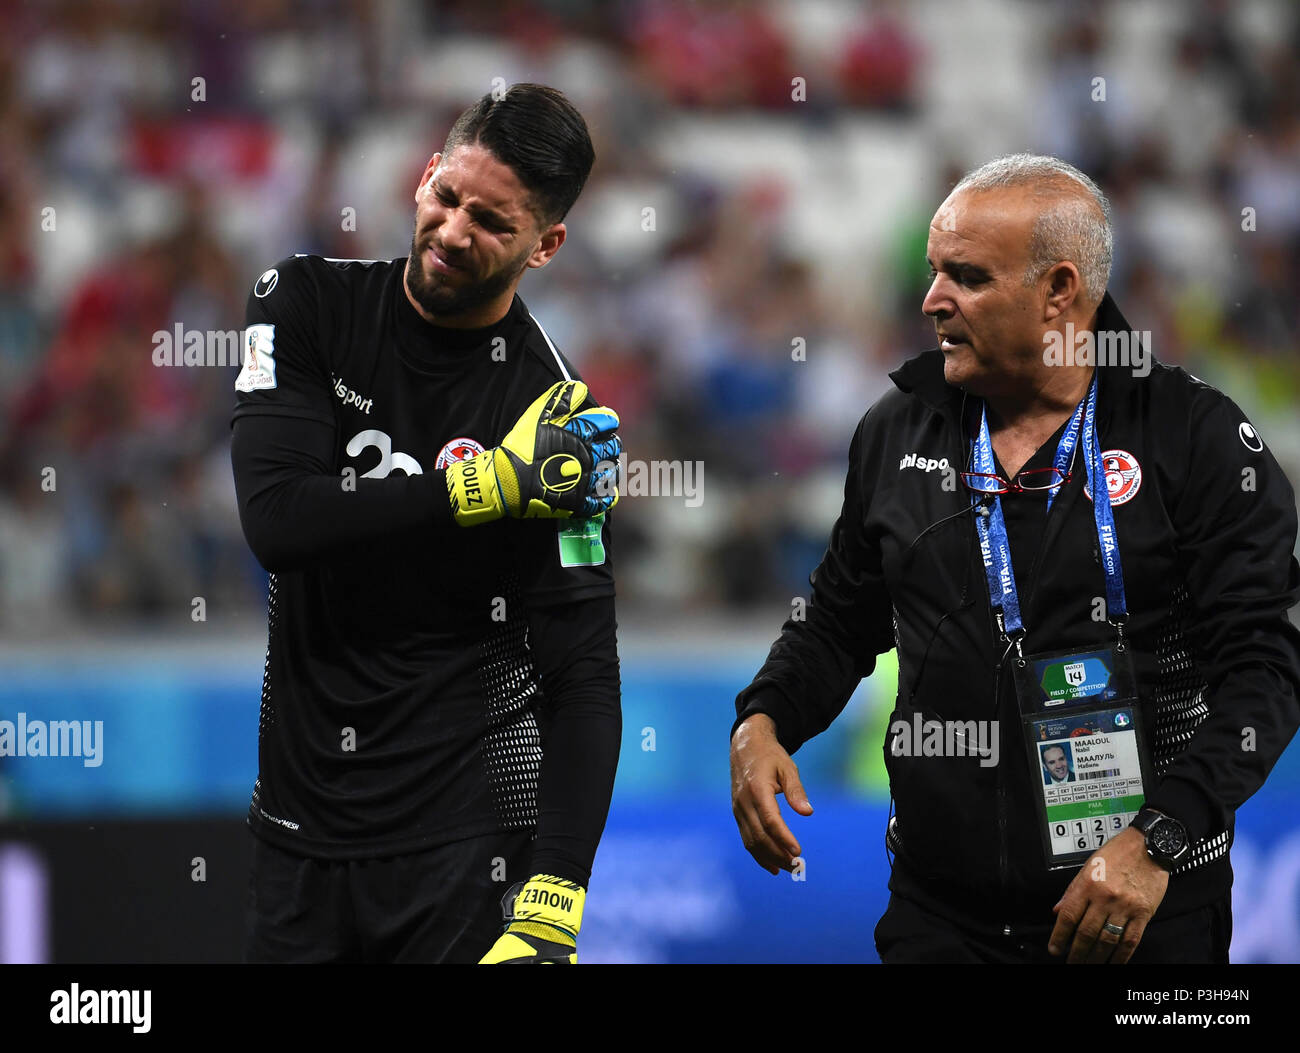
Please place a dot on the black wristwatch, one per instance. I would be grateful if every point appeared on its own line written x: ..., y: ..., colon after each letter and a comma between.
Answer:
x: 1167, y: 841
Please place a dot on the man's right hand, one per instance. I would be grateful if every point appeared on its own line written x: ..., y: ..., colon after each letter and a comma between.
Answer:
x: 760, y: 769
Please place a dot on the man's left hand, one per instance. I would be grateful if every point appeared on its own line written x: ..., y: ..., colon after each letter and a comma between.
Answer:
x: 1120, y: 885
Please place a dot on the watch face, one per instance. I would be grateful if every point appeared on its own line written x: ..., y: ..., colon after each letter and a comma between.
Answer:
x: 1168, y: 837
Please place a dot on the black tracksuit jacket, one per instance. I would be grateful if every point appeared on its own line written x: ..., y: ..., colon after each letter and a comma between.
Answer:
x: 1206, y: 539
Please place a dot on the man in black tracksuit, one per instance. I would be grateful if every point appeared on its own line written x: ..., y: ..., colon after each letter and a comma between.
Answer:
x: 1206, y: 523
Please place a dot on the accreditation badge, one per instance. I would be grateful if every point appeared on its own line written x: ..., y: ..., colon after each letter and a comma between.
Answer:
x: 1088, y: 758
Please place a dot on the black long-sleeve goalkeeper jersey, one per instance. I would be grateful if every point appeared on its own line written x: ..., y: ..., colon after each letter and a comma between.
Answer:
x: 424, y: 682
x: 1206, y: 522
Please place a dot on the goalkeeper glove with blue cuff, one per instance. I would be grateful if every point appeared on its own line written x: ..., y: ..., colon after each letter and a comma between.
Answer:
x: 547, y: 467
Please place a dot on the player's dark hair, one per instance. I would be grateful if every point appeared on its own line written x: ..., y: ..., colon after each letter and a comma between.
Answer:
x: 540, y: 135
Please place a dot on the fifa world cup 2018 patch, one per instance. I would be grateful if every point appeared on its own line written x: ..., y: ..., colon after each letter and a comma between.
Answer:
x: 581, y: 544
x: 258, y: 373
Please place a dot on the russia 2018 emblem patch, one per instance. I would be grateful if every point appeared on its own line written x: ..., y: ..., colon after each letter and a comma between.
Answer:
x: 1123, y: 477
x: 458, y: 450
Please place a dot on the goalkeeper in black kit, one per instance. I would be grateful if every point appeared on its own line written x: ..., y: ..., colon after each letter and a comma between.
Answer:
x: 427, y: 481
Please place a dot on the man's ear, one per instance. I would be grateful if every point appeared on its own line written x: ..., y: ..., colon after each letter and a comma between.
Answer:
x: 552, y: 238
x: 1064, y: 289
x: 432, y: 167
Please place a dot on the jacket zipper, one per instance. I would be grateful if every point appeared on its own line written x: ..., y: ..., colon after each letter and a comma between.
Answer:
x: 1003, y: 864
x: 1002, y: 805
x: 997, y: 705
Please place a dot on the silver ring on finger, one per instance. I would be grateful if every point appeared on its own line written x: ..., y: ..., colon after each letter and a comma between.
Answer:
x: 1113, y: 929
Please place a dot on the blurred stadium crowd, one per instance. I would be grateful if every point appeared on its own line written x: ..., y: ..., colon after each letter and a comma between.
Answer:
x: 743, y: 270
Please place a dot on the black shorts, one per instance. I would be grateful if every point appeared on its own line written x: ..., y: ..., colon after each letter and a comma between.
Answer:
x: 440, y: 905
x: 908, y: 933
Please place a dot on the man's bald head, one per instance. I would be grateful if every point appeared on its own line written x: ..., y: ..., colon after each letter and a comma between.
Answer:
x: 1072, y: 216
x: 1019, y: 255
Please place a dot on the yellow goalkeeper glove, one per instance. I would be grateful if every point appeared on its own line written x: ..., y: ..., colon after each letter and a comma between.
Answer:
x: 544, y: 916
x: 547, y: 467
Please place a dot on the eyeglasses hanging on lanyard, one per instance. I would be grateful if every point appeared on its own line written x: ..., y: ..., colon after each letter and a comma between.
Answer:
x: 995, y: 549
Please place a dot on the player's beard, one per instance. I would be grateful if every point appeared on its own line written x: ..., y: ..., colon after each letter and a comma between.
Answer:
x: 442, y: 300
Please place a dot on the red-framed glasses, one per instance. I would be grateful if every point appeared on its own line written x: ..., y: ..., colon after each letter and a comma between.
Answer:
x: 1036, y: 480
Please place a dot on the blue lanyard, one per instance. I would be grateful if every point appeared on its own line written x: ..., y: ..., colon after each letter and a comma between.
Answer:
x: 995, y: 549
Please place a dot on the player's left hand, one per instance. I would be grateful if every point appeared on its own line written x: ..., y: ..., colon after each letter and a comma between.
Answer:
x: 549, y: 465
x: 544, y: 916
x: 1120, y: 885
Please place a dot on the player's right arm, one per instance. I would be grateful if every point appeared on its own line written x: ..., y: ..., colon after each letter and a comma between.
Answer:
x: 297, y: 511
x: 294, y: 507
x: 810, y: 673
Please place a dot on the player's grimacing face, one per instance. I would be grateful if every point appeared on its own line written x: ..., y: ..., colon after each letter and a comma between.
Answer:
x: 474, y: 233
x: 989, y: 323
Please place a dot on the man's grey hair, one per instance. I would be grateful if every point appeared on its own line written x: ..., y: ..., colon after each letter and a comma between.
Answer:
x: 1068, y: 228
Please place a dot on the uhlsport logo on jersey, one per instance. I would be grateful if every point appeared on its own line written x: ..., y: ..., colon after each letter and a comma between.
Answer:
x: 268, y: 281
x: 1123, y: 477
x: 923, y: 463
x: 1250, y: 437
x: 461, y: 449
